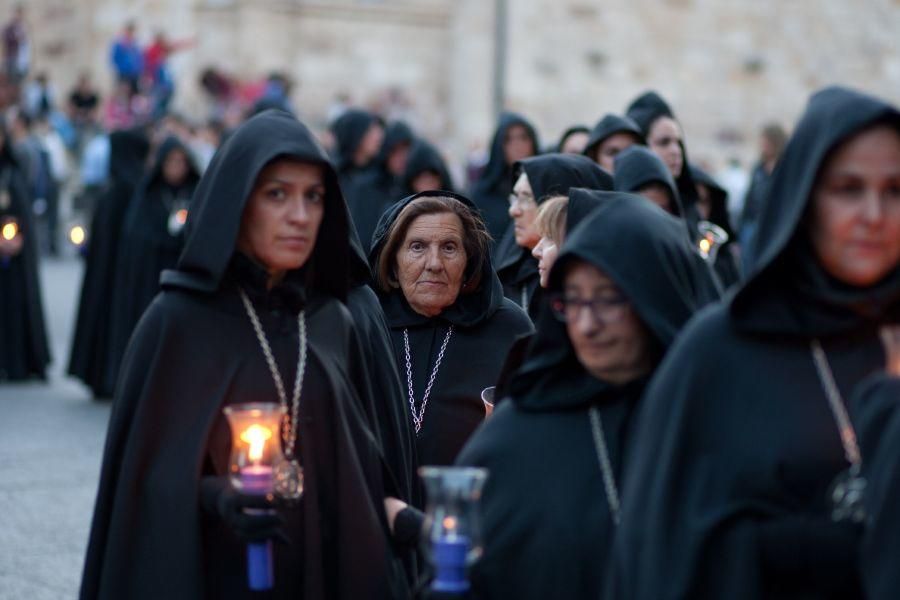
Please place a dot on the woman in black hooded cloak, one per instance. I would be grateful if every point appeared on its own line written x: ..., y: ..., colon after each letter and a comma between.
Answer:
x: 537, y: 179
x: 152, y: 238
x: 23, y: 343
x: 556, y: 450
x: 266, y: 265
x: 425, y: 170
x: 515, y: 139
x: 90, y: 345
x: 712, y: 206
x: 743, y: 429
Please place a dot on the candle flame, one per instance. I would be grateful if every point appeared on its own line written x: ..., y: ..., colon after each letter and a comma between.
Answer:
x: 256, y: 436
x: 77, y: 235
x: 449, y: 523
x: 705, y: 245
x: 10, y: 230
x: 181, y: 216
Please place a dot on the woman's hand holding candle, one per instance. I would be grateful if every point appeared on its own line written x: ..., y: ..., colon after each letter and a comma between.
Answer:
x: 11, y: 246
x: 219, y: 499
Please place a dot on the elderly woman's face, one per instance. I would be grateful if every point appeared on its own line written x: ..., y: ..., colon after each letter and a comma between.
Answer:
x: 855, y: 228
x: 523, y: 211
x: 431, y: 263
x: 609, y: 339
x: 282, y: 217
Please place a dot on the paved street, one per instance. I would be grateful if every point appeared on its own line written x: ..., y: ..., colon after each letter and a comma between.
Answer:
x: 51, y: 440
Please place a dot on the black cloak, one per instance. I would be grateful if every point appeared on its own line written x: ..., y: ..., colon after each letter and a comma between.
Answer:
x: 549, y: 175
x: 376, y: 188
x: 738, y: 446
x: 424, y: 157
x: 608, y: 126
x: 873, y: 411
x: 91, y: 343
x: 491, y: 192
x: 146, y: 249
x: 644, y: 111
x: 547, y: 523
x: 24, y: 353
x: 727, y: 262
x: 195, y: 351
x: 569, y: 133
x: 349, y: 130
x: 485, y: 325
x: 638, y: 166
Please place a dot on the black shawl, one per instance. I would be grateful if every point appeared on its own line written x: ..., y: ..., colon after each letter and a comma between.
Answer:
x: 195, y: 351
x: 545, y: 488
x: 738, y: 445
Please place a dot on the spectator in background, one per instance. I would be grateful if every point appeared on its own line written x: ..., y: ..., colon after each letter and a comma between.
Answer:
x: 35, y: 160
x: 156, y: 70
x: 124, y: 109
x: 771, y: 143
x: 83, y: 102
x: 39, y: 97
x: 127, y: 58
x: 16, y: 50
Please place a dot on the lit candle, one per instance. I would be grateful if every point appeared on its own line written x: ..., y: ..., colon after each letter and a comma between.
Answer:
x: 77, y: 235
x: 10, y: 231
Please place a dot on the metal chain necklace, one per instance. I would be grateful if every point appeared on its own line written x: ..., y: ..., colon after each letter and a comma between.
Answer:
x: 288, y: 473
x: 848, y: 490
x: 609, y: 478
x: 419, y: 416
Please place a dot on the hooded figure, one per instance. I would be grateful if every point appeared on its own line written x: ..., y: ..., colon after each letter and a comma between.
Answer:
x: 638, y: 168
x: 378, y: 187
x: 874, y: 411
x: 23, y: 343
x: 167, y: 523
x: 452, y: 355
x: 713, y: 207
x: 152, y: 238
x: 739, y: 435
x: 350, y: 130
x: 425, y: 159
x: 491, y: 192
x: 548, y: 175
x: 547, y: 488
x: 91, y: 343
x: 607, y: 127
x: 572, y: 139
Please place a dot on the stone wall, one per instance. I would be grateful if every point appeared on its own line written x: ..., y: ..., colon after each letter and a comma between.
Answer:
x: 726, y: 65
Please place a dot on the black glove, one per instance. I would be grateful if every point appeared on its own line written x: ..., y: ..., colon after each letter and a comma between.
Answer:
x: 252, y: 518
x: 408, y: 526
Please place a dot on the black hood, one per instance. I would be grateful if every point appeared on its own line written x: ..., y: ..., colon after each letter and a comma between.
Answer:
x: 549, y: 175
x: 497, y: 173
x: 396, y: 133
x: 644, y: 250
x: 638, y: 166
x: 349, y: 130
x: 568, y: 133
x: 608, y: 126
x: 582, y: 202
x: 425, y: 157
x: 222, y: 194
x: 719, y: 198
x: 169, y: 145
x: 128, y: 149
x: 470, y: 308
x: 645, y: 110
x: 786, y: 290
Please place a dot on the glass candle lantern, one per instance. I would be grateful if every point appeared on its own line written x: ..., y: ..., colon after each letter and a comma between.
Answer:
x: 255, y: 451
x: 452, y: 523
x: 487, y: 398
x: 712, y: 238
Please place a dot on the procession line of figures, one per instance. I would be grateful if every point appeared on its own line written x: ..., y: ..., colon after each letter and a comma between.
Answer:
x: 664, y: 426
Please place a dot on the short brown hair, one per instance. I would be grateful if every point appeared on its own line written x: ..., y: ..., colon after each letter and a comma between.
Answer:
x: 476, y: 239
x: 551, y: 218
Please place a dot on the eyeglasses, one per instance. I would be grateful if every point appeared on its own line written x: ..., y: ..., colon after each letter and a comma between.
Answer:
x: 603, y: 310
x: 523, y: 200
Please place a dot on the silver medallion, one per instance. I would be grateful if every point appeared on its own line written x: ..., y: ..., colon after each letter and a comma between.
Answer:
x: 177, y: 219
x: 847, y: 494
x: 289, y: 479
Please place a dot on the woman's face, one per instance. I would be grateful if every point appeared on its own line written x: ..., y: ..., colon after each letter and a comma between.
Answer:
x: 517, y: 144
x: 523, y: 211
x: 175, y: 167
x: 546, y: 252
x: 659, y: 195
x: 283, y: 214
x: 855, y: 228
x: 704, y: 201
x: 396, y: 160
x: 575, y: 143
x: 431, y: 263
x: 664, y: 140
x: 609, y: 339
x: 425, y: 181
x: 369, y: 145
x: 606, y: 152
